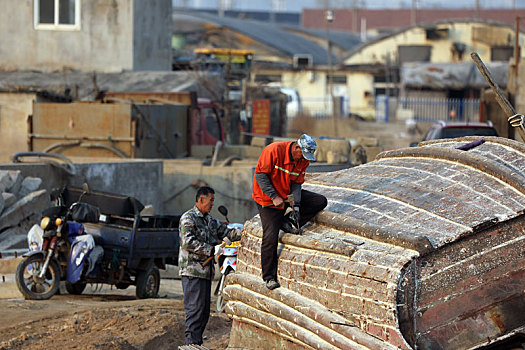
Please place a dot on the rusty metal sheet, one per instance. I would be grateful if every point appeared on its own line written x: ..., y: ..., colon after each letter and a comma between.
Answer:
x: 421, y: 248
x: 94, y: 129
x: 64, y: 123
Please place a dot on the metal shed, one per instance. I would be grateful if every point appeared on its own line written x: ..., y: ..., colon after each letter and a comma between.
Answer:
x: 422, y: 248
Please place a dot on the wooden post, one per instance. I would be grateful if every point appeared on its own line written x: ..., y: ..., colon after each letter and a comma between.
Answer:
x: 514, y: 119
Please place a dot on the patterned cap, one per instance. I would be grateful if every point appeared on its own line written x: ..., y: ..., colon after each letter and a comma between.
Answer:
x: 308, y: 146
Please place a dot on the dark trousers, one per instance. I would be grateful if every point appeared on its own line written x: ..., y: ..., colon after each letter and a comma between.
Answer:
x: 272, y: 220
x: 197, y: 294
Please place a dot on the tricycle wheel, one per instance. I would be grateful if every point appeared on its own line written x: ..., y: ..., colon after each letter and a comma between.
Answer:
x: 148, y: 283
x: 75, y: 288
x: 30, y: 284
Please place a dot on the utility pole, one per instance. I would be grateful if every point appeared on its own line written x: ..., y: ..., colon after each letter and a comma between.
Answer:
x: 413, y: 13
x: 329, y: 17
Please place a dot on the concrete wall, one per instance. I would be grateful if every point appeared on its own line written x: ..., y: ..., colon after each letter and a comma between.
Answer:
x: 140, y: 179
x: 152, y: 35
x: 232, y: 184
x: 105, y: 41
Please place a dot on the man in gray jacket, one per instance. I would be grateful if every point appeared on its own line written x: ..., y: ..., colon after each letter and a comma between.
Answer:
x: 200, y: 238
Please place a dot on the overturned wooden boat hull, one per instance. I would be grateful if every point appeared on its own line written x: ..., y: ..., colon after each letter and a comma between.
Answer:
x: 422, y: 248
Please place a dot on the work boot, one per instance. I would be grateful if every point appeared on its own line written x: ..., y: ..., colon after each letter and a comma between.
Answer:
x: 272, y: 284
x: 289, y: 228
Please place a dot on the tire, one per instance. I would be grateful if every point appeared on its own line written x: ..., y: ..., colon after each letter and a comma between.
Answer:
x: 221, y: 303
x: 148, y: 283
x: 28, y: 282
x: 75, y: 288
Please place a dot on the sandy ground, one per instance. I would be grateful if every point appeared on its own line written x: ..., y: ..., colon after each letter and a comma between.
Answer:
x: 104, y: 319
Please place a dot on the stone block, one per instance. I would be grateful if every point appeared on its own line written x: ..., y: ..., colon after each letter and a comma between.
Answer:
x: 333, y: 151
x: 202, y: 151
x: 2, y: 204
x: 5, y: 180
x: 372, y: 152
x: 17, y: 178
x: 367, y: 141
x: 253, y: 152
x: 13, y: 238
x: 32, y: 204
x: 29, y: 184
x: 260, y: 141
x: 9, y: 199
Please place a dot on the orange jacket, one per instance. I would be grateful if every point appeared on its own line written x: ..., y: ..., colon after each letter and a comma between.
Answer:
x: 282, y: 170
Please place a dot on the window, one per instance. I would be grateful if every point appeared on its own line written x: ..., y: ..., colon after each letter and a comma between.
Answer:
x: 57, y: 14
x: 338, y: 79
x: 267, y: 78
x: 501, y: 53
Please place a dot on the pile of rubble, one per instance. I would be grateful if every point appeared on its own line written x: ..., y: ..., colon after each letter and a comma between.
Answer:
x: 21, y: 205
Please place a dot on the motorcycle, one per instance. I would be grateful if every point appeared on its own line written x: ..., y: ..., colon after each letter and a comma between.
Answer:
x: 227, y: 260
x: 50, y: 259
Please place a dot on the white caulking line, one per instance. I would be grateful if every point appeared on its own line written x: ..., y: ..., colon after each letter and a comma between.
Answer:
x: 371, y: 301
x: 402, y: 254
x: 337, y: 255
x: 463, y: 165
x: 465, y: 227
x: 489, y: 198
x: 391, y: 307
x: 483, y: 252
x: 510, y: 149
x: 292, y: 311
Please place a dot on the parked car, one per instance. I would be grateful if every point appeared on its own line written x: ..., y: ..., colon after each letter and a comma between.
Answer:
x: 449, y: 130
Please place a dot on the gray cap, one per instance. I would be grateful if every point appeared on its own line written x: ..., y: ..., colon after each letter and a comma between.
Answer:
x: 308, y: 146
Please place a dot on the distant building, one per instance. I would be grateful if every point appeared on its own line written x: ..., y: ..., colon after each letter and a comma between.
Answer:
x: 435, y: 48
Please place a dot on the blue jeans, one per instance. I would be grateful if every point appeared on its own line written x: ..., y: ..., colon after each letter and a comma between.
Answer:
x: 197, y: 294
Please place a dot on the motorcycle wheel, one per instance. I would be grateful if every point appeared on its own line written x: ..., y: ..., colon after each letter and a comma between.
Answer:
x: 75, y: 288
x: 221, y: 303
x: 33, y: 287
x: 148, y: 283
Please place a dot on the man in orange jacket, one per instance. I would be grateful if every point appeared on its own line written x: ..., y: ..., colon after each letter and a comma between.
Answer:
x: 280, y: 171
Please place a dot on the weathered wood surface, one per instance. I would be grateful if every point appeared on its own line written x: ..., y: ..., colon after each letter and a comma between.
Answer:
x: 410, y: 246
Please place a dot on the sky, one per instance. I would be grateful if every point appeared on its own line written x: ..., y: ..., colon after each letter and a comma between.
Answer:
x: 297, y: 5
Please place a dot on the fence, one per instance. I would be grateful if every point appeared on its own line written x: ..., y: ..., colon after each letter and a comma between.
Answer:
x: 388, y: 108
x: 450, y: 109
x: 322, y: 107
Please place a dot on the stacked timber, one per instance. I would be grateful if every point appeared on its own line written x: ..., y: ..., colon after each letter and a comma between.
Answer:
x: 421, y: 248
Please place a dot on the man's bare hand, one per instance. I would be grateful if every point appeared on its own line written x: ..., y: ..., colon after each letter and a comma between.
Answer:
x: 278, y: 201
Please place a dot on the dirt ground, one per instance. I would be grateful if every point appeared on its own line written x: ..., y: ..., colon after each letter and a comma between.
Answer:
x: 104, y: 319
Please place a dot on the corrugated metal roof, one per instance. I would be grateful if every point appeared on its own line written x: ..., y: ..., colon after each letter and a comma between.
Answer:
x: 345, y: 40
x: 269, y: 34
